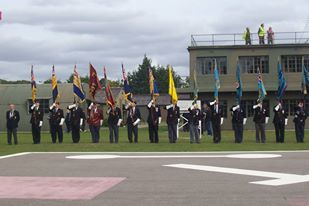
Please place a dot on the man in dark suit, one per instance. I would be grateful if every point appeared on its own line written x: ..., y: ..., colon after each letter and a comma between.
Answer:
x: 56, y: 122
x: 36, y: 121
x: 76, y: 119
x: 12, y: 119
x: 299, y: 121
x: 260, y: 118
x: 133, y: 118
x: 238, y: 120
x: 154, y: 119
x: 280, y: 120
x: 195, y: 121
x: 114, y: 122
x: 216, y: 120
x: 172, y: 120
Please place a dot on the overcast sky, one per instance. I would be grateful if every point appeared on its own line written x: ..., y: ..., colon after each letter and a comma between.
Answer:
x: 107, y: 33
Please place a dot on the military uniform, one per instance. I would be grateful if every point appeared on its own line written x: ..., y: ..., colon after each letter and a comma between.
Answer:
x: 36, y: 124
x: 95, y: 116
x: 153, y: 123
x: 194, y: 121
x: 77, y: 117
x: 216, y: 116
x: 133, y: 118
x: 279, y: 122
x: 173, y: 114
x: 114, y: 121
x: 260, y: 114
x: 12, y: 119
x: 56, y: 121
x: 299, y: 121
x: 238, y: 116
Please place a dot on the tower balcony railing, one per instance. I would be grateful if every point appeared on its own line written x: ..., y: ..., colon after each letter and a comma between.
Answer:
x: 236, y: 39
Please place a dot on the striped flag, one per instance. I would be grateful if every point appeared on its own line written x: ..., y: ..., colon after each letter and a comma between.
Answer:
x: 171, y: 88
x: 217, y: 81
x: 282, y: 85
x: 126, y: 86
x: 305, y: 81
x: 195, y: 86
x: 0, y: 15
x: 108, y: 91
x: 261, y: 88
x: 54, y: 86
x: 33, y: 86
x: 94, y: 83
x: 77, y: 86
x: 154, y: 92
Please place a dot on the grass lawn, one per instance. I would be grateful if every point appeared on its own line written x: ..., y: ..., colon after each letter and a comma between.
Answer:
x: 183, y: 145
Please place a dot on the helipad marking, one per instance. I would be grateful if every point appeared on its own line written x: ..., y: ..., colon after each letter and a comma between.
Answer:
x: 280, y: 178
x: 241, y: 156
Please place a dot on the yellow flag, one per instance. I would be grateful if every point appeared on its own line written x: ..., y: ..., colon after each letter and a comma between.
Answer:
x: 171, y: 86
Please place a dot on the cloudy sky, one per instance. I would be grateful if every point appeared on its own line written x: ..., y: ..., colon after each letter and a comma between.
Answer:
x: 107, y: 33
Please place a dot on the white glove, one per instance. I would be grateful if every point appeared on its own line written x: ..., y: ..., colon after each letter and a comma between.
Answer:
x: 212, y: 103
x: 244, y: 121
x: 119, y: 122
x: 160, y: 120
x: 81, y: 122
x: 90, y: 106
x: 32, y: 107
x: 149, y: 104
x: 221, y: 123
x: 127, y: 106
x: 72, y: 106
x: 52, y: 106
x: 169, y: 106
x: 266, y: 120
x: 101, y: 122
x: 41, y: 123
x: 108, y: 111
x: 192, y: 107
x: 277, y: 107
x: 255, y: 106
x: 286, y: 122
x: 136, y: 122
x: 235, y: 108
x: 199, y: 124
x: 61, y: 121
x: 178, y: 121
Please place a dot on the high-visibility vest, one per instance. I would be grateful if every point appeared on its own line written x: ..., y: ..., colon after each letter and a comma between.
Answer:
x: 261, y: 31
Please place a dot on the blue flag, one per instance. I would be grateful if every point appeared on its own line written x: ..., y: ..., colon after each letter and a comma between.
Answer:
x: 217, y: 81
x: 282, y: 83
x: 77, y: 86
x: 305, y: 82
x: 238, y: 84
x: 261, y: 88
x: 126, y: 86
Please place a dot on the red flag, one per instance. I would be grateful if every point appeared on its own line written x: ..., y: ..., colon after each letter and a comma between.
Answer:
x: 108, y: 91
x: 94, y: 83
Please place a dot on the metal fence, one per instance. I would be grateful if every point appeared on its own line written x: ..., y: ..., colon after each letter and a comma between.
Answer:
x: 237, y: 39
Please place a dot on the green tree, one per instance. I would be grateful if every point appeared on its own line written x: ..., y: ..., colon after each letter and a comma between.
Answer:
x: 82, y: 79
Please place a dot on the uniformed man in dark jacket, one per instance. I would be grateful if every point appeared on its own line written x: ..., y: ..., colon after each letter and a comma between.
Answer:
x: 77, y: 118
x: 172, y: 120
x: 195, y: 122
x: 280, y: 120
x: 206, y: 121
x: 56, y: 122
x: 238, y: 121
x: 299, y: 121
x: 260, y: 118
x: 67, y: 121
x: 216, y: 120
x: 133, y: 118
x: 12, y: 119
x: 36, y: 121
x: 114, y: 122
x: 154, y: 119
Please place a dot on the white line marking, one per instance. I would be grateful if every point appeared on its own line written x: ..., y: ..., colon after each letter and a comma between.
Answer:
x: 15, y: 155
x: 280, y: 178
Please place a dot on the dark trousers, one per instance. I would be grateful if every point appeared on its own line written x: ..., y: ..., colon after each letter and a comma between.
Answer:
x: 238, y: 132
x: 194, y: 134
x: 75, y: 133
x: 172, y: 132
x: 113, y: 133
x: 134, y: 130
x: 260, y: 128
x: 56, y: 130
x: 9, y: 133
x: 216, y: 127
x: 261, y: 40
x: 36, y: 134
x: 153, y: 133
x: 279, y: 127
x: 299, y: 131
x: 207, y: 126
x: 95, y: 133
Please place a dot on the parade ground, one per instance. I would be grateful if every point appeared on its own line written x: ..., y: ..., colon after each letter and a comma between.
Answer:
x: 131, y: 179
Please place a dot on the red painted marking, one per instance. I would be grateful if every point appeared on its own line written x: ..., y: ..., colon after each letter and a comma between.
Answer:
x: 55, y: 188
x: 301, y: 201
